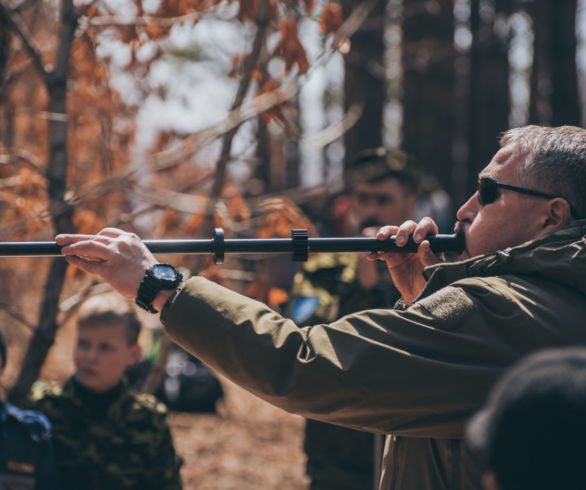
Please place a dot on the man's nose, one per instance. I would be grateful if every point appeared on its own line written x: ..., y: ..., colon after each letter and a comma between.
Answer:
x: 469, y: 209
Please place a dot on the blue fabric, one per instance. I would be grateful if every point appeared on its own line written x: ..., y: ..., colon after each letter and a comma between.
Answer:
x: 303, y: 308
x: 27, y: 459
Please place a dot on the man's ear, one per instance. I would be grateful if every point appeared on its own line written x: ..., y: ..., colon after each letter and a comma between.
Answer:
x: 558, y: 214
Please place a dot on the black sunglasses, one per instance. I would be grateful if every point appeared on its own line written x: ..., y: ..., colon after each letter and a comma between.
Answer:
x: 488, y: 192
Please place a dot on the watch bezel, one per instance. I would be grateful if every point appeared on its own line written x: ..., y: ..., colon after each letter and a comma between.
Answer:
x: 166, y: 283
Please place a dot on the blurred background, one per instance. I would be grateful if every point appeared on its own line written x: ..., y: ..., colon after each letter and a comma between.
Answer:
x: 172, y: 117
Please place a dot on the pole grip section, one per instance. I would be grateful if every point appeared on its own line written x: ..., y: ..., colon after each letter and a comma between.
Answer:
x: 219, y: 248
x: 300, y: 239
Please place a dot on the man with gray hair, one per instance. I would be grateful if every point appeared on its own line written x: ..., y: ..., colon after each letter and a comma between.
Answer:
x: 418, y: 371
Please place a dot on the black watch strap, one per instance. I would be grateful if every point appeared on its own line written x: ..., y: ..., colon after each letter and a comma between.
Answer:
x: 147, y: 291
x: 152, y: 284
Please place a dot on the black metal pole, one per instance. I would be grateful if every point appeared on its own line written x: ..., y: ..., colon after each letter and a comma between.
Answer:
x: 300, y: 245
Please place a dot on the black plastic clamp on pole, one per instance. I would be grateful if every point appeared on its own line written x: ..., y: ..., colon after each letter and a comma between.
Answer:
x: 218, y: 246
x: 300, y: 239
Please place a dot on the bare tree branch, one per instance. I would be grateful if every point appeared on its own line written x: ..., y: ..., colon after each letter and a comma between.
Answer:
x: 12, y: 19
x: 144, y: 20
x: 262, y: 22
x: 30, y: 159
x: 15, y: 314
x: 165, y: 198
x: 336, y: 130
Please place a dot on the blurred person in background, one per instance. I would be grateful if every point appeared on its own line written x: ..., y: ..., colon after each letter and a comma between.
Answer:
x: 27, y: 459
x: 383, y: 186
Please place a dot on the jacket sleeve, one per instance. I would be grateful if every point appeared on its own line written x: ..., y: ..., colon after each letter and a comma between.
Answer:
x: 418, y: 372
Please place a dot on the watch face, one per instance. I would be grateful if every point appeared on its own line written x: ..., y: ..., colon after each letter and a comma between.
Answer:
x: 165, y: 272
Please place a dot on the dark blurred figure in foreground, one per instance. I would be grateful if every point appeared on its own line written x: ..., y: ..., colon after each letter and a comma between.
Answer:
x: 27, y: 460
x: 530, y: 434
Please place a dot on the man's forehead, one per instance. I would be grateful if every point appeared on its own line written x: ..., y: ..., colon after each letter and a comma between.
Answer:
x: 503, y: 162
x: 388, y: 183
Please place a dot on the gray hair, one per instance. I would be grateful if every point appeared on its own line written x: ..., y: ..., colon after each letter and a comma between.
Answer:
x: 555, y: 161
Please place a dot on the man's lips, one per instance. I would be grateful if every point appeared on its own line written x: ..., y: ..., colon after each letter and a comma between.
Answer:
x: 460, y: 227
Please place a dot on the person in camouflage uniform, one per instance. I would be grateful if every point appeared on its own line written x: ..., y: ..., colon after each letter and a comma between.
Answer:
x: 106, y: 436
x: 27, y: 458
x: 332, y: 285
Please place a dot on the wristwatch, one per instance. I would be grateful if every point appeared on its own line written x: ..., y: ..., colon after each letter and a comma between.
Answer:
x: 159, y: 277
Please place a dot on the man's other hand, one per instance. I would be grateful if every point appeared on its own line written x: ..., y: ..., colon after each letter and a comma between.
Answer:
x: 406, y: 268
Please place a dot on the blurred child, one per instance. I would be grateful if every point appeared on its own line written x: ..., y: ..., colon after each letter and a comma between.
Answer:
x: 106, y: 436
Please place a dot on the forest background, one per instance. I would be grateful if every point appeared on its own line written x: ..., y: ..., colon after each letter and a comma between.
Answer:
x: 171, y: 117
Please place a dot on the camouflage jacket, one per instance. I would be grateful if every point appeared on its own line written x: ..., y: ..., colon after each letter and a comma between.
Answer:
x: 327, y: 288
x: 127, y: 445
x: 27, y: 460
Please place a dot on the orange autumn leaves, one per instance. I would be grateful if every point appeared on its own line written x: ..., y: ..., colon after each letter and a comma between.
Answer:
x: 331, y: 18
x: 290, y: 48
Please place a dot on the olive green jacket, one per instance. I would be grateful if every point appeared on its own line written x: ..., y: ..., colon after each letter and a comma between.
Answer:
x: 326, y: 289
x: 417, y: 373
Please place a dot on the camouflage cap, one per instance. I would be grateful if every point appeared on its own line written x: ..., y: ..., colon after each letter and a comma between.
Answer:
x: 374, y: 164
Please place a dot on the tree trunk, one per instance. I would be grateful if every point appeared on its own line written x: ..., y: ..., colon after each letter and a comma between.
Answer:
x: 44, y: 335
x: 4, y: 51
x: 262, y: 172
x: 564, y: 99
x: 554, y: 81
x: 364, y: 81
x: 489, y: 106
x: 428, y: 86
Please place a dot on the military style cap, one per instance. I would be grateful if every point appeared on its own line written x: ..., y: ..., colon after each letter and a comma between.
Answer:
x: 379, y: 163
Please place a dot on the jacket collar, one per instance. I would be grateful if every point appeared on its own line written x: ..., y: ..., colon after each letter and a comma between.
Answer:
x: 558, y: 256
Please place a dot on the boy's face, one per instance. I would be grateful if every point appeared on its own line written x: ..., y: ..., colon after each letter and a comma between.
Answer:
x: 102, y: 353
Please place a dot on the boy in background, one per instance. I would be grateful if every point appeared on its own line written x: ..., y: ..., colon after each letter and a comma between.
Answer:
x: 107, y: 437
